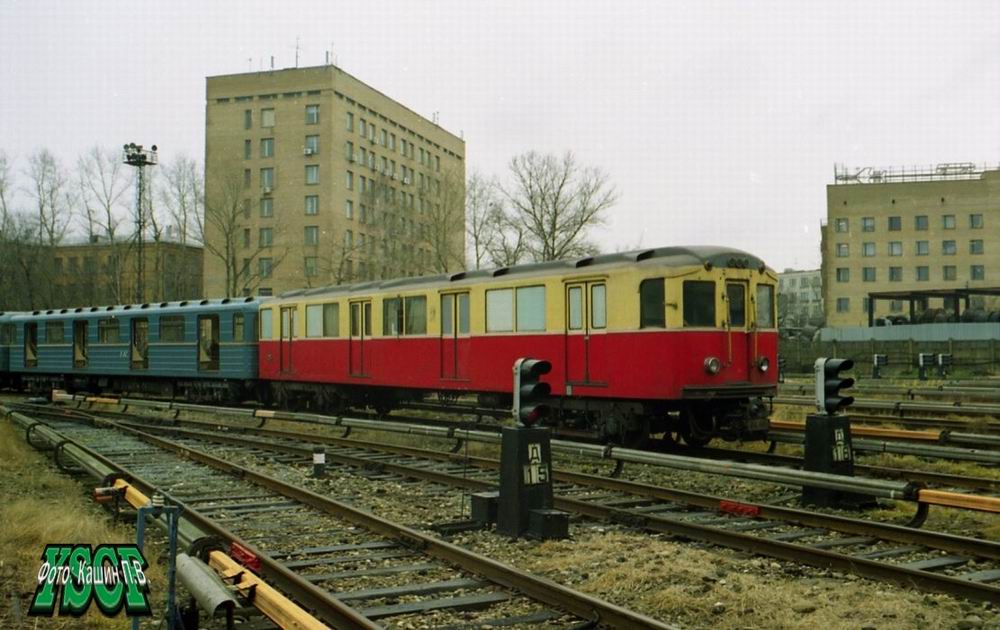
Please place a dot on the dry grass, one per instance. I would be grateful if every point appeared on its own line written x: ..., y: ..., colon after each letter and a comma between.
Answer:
x: 40, y: 506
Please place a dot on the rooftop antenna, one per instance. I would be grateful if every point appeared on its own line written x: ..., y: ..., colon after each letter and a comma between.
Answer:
x: 249, y: 64
x: 435, y: 117
x: 272, y: 62
x: 296, y: 51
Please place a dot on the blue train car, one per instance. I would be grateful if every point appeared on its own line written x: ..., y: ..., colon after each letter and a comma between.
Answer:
x: 197, y: 350
x: 7, y: 336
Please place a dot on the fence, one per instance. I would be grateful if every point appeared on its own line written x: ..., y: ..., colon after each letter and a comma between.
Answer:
x: 978, y: 357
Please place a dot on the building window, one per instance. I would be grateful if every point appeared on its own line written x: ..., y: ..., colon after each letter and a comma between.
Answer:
x: 895, y: 274
x: 247, y: 118
x: 246, y: 208
x: 976, y: 246
x: 437, y: 163
x: 362, y: 128
x: 948, y: 248
x: 923, y: 248
x: 868, y: 274
x: 362, y: 214
x: 866, y: 304
x: 921, y: 222
x: 349, y: 209
x: 310, y: 266
x: 349, y: 151
x: 348, y: 239
x: 312, y: 204
x: 896, y: 306
x: 384, y: 138
x: 976, y: 221
x: 895, y: 224
x: 246, y: 178
x: 843, y: 305
x: 868, y: 249
x: 948, y: 272
x: 266, y: 237
x: 895, y: 248
x: 312, y: 114
x: 948, y: 221
x: 267, y: 178
x: 977, y: 272
x: 312, y: 173
x: 246, y: 237
x: 247, y: 149
x: 867, y: 224
x: 311, y: 235
x: 266, y: 147
x: 266, y: 207
x: 350, y: 121
x: 311, y: 145
x: 843, y: 250
x: 267, y: 117
x: 350, y: 180
x: 923, y: 273
x: 392, y: 142
x: 264, y: 267
x: 843, y: 274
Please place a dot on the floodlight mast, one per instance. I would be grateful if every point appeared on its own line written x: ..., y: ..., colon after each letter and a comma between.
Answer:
x: 140, y: 158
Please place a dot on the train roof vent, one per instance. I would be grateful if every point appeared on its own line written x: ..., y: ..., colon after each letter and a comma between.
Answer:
x: 49, y: 312
x: 94, y: 309
x: 247, y: 300
x: 78, y: 309
x: 35, y: 312
x: 203, y: 302
x: 184, y: 303
x: 110, y: 308
x: 164, y: 304
x: 224, y: 301
x: 502, y: 271
x: 64, y: 310
x: 645, y: 255
x: 144, y: 306
x: 127, y: 307
x: 456, y: 276
x: 584, y: 262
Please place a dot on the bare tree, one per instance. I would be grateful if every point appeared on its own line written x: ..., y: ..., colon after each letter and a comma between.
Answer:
x: 509, y: 242
x: 443, y: 210
x: 105, y: 185
x: 481, y: 202
x: 557, y: 201
x: 182, y: 194
x: 48, y: 186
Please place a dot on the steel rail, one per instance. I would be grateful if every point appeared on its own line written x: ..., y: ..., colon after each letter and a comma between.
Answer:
x: 865, y: 445
x: 747, y: 542
x: 900, y: 407
x: 909, y: 435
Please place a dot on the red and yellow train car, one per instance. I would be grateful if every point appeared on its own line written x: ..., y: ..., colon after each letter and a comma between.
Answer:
x: 681, y: 340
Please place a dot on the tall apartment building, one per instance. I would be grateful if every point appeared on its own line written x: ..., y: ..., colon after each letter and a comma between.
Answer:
x: 901, y: 230
x: 314, y: 178
x: 800, y: 298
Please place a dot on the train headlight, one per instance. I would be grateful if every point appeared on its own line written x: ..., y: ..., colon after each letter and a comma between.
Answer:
x: 712, y: 365
x: 763, y: 364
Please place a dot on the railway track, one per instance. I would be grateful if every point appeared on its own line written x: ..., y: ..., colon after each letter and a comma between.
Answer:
x: 931, y: 561
x: 353, y: 568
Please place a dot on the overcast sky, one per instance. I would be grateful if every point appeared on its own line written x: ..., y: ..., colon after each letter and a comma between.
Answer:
x: 718, y: 122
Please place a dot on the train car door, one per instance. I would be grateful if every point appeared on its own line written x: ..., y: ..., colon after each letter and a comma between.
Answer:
x: 287, y: 335
x: 737, y: 323
x: 361, y: 329
x: 31, y: 345
x: 455, y: 336
x: 140, y: 344
x: 80, y: 344
x: 586, y: 327
x: 208, y: 342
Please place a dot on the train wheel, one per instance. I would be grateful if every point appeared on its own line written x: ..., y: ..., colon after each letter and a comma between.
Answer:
x: 636, y: 435
x: 697, y: 426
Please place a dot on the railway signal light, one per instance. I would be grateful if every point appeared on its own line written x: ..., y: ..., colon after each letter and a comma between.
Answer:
x: 829, y: 382
x: 924, y: 361
x: 529, y: 391
x: 879, y: 361
x: 944, y: 362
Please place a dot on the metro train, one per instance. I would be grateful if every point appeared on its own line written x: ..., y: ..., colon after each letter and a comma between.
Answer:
x: 674, y: 340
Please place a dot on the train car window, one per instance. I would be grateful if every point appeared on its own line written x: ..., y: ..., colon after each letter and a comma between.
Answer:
x: 208, y: 342
x: 651, y: 304
x: 736, y: 296
x: 288, y: 322
x: 416, y: 315
x: 7, y: 334
x: 31, y: 345
x: 500, y: 310
x: 331, y: 320
x: 239, y: 327
x: 598, y: 306
x: 530, y: 308
x: 447, y: 314
x: 575, y: 308
x: 314, y: 320
x: 172, y: 328
x: 765, y: 306
x: 699, y: 303
x: 107, y: 331
x: 463, y: 313
x: 355, y: 320
x: 323, y: 320
x: 392, y: 316
x: 266, y: 323
x: 368, y: 319
x: 54, y: 332
x: 80, y: 352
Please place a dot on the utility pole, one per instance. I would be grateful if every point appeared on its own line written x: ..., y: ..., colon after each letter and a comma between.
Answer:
x: 140, y: 158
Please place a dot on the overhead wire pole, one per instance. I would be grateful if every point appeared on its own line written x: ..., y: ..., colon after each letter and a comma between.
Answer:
x: 140, y: 158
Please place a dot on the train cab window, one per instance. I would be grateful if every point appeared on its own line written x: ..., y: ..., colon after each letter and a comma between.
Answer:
x: 575, y: 308
x: 172, y: 328
x: 699, y: 303
x: 736, y: 297
x: 392, y: 316
x: 107, y: 331
x: 266, y: 323
x: 322, y: 320
x: 500, y: 310
x: 54, y: 332
x: 765, y: 306
x: 140, y: 344
x: 530, y: 308
x: 652, y: 303
x: 598, y: 306
x: 80, y: 344
x: 208, y: 342
x: 31, y: 345
x: 415, y: 312
x: 239, y: 327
